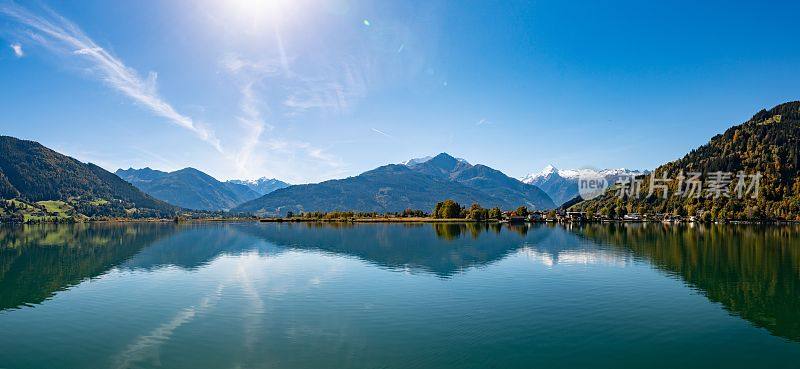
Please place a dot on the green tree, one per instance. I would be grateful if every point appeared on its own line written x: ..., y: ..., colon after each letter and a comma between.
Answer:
x: 495, y: 213
x: 449, y: 210
x: 437, y: 210
x: 521, y: 211
x: 476, y: 212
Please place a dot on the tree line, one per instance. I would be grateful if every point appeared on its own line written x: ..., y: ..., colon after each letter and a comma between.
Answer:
x: 447, y: 209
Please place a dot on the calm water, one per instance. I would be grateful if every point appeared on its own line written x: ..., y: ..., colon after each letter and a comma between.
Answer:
x: 398, y: 296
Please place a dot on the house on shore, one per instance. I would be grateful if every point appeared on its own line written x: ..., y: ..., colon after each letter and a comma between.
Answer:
x: 575, y: 216
x: 632, y: 217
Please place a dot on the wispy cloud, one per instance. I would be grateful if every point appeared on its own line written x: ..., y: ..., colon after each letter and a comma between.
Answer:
x: 255, y: 125
x: 61, y: 36
x: 17, y: 48
x: 335, y: 90
x: 483, y: 121
x: 378, y: 131
x: 291, y: 147
x: 251, y: 76
x: 331, y: 87
x: 234, y: 63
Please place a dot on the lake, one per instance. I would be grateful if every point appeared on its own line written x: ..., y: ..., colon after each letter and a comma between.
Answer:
x: 310, y: 295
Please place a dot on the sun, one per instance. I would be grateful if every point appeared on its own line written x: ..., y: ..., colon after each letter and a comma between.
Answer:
x: 259, y: 14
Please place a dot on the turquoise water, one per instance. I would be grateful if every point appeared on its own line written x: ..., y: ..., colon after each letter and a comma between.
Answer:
x: 255, y: 295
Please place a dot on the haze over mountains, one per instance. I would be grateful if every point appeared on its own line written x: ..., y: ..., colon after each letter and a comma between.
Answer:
x: 562, y: 184
x: 418, y: 184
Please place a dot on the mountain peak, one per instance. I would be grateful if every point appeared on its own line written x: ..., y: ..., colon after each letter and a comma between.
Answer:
x: 441, y: 158
x: 447, y: 163
x: 548, y: 170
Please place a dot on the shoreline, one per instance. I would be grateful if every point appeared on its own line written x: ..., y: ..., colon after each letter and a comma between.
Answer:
x: 418, y: 220
x: 374, y: 220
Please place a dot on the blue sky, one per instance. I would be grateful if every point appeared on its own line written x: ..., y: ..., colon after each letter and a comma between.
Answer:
x: 312, y: 90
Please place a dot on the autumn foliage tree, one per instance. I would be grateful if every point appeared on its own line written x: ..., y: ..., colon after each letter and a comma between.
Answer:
x: 448, y: 209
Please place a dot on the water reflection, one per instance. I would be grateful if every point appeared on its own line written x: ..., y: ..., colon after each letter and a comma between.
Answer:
x: 753, y: 272
x: 195, y: 245
x: 450, y: 248
x: 38, y: 260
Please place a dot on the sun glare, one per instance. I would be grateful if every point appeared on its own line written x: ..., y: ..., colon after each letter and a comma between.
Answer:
x: 255, y: 15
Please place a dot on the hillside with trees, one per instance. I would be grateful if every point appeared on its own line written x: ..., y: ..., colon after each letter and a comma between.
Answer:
x: 767, y: 146
x: 32, y: 173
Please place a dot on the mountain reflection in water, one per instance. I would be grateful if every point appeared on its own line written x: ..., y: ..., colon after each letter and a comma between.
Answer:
x: 752, y: 271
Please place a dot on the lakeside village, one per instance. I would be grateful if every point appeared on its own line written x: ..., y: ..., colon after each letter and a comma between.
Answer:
x: 451, y: 211
x: 475, y: 213
x: 511, y: 217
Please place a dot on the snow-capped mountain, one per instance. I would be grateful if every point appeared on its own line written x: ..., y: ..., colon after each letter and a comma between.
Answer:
x: 262, y: 185
x: 562, y: 184
x: 550, y: 170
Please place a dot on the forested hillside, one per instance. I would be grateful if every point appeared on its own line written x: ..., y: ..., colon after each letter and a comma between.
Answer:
x: 32, y: 173
x: 767, y: 145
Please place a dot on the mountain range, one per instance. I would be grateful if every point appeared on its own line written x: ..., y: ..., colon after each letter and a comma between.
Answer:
x: 562, y: 184
x: 44, y: 181
x: 417, y: 184
x: 188, y: 188
x: 262, y: 186
x: 32, y: 172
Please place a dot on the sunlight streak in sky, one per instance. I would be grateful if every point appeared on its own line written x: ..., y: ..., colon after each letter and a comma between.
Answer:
x: 58, y: 35
x: 248, y: 157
